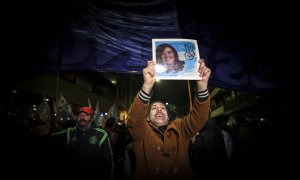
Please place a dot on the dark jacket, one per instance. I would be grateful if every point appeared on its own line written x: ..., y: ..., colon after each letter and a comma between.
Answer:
x: 164, y: 155
x: 83, y: 152
x: 207, y: 153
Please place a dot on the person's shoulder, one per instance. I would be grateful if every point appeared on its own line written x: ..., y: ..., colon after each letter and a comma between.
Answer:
x: 60, y: 136
x: 62, y: 132
x: 99, y: 130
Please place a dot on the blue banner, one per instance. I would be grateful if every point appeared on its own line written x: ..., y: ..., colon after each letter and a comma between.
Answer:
x: 115, y: 36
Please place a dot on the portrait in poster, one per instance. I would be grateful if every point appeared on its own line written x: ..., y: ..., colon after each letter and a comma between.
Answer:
x: 176, y: 59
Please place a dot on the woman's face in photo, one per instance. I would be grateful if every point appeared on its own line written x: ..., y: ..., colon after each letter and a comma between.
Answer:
x: 168, y: 56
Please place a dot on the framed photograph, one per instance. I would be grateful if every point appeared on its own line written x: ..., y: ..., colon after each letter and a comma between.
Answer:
x: 176, y: 59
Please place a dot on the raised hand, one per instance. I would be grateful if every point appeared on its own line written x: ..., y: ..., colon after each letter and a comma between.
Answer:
x: 149, y: 77
x: 204, y: 72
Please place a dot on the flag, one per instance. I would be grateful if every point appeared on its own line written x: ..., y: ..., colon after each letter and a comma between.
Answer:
x: 113, y: 111
x: 97, y: 115
x: 89, y: 103
x: 44, y: 111
x: 63, y: 109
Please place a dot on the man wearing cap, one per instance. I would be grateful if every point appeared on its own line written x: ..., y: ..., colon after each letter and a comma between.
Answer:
x: 86, y: 148
x: 161, y: 147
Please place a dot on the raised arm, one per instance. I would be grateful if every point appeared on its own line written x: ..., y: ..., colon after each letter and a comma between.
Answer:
x: 193, y: 122
x: 137, y: 115
x: 149, y: 77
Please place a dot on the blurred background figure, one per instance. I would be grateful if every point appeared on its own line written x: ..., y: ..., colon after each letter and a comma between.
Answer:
x: 208, y: 154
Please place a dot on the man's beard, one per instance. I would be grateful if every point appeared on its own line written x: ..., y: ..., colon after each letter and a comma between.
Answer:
x: 84, y: 127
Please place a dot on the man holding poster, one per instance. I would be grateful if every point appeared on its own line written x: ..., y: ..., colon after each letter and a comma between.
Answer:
x: 160, y: 145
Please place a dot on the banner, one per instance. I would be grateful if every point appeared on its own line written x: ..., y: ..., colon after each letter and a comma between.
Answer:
x: 115, y: 36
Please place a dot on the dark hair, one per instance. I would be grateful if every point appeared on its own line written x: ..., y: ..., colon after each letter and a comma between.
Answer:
x: 110, y: 122
x: 159, y: 50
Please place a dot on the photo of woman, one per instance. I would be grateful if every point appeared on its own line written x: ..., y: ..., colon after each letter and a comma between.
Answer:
x: 176, y: 58
x: 167, y: 56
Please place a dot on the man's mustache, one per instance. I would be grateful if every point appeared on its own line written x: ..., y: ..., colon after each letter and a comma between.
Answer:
x: 82, y: 120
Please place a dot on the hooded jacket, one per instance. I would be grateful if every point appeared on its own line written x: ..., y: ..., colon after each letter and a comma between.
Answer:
x: 164, y: 155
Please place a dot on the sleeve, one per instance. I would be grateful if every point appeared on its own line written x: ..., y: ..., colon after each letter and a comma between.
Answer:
x: 195, y: 120
x: 202, y: 95
x: 137, y: 116
x: 144, y: 97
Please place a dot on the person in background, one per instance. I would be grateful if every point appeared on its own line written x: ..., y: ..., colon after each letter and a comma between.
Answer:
x: 129, y: 162
x: 160, y: 145
x: 84, y: 149
x: 208, y: 155
x: 119, y: 140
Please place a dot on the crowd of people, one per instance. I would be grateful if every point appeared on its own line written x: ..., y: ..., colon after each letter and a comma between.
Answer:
x: 149, y: 146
